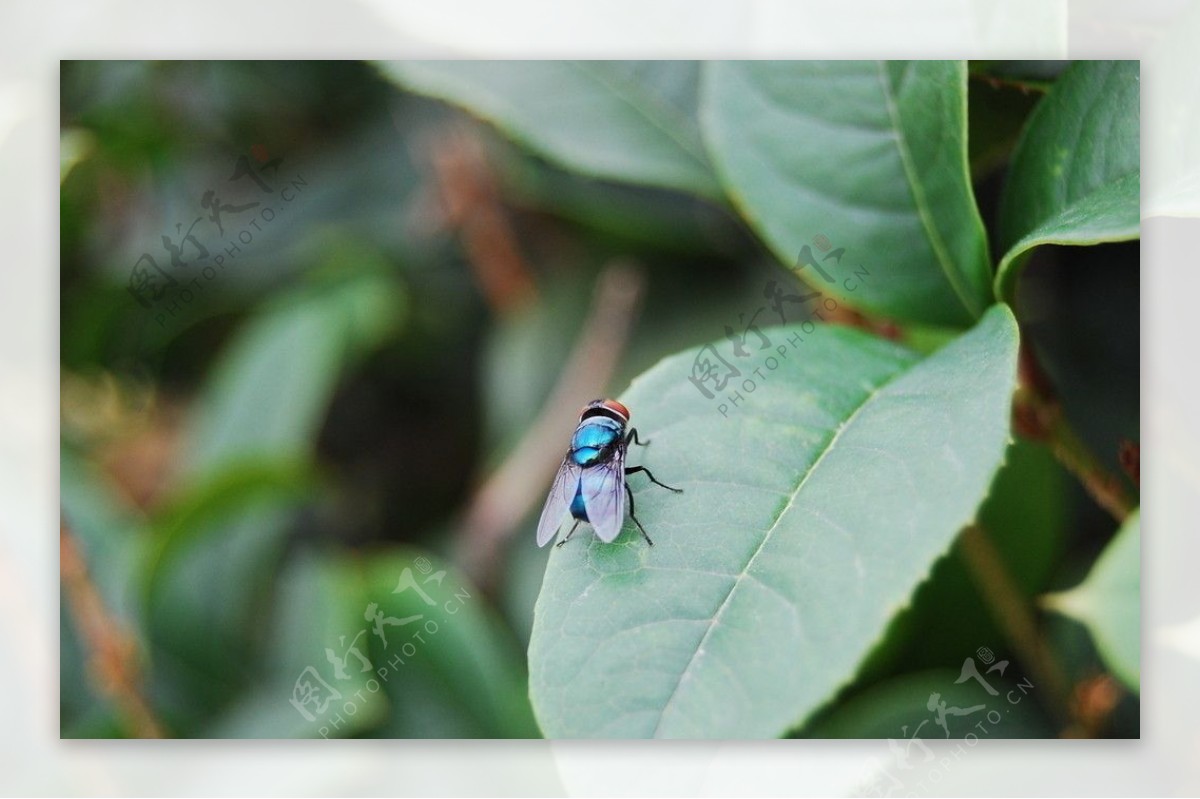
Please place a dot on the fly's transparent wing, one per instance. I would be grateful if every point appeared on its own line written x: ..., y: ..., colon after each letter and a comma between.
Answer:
x: 604, y: 496
x: 566, y: 482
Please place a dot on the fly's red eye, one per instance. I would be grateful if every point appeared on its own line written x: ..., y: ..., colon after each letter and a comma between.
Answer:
x: 617, y: 407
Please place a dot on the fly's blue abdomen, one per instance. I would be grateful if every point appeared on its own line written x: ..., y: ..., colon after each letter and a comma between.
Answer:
x: 592, y: 437
x: 577, y: 507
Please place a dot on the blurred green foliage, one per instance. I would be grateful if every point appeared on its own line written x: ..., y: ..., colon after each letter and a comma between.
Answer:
x: 258, y: 445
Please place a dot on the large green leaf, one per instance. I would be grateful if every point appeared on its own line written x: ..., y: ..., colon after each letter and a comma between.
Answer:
x: 1108, y: 601
x: 812, y: 508
x: 1074, y: 177
x: 632, y: 121
x: 873, y: 156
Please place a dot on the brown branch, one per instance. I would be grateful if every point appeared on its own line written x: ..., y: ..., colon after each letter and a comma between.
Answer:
x: 1130, y: 457
x: 112, y: 650
x: 1038, y: 415
x: 472, y: 205
x: 1014, y: 614
x: 512, y: 490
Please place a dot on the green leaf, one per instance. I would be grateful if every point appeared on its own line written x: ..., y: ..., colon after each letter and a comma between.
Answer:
x: 204, y: 506
x: 811, y: 511
x: 871, y: 155
x: 270, y: 391
x: 1074, y: 177
x: 1108, y: 602
x: 631, y: 121
x: 204, y: 602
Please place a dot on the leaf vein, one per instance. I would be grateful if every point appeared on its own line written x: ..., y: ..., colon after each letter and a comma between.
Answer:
x: 716, y: 618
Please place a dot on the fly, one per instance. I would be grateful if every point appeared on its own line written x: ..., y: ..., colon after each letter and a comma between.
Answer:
x: 591, y: 481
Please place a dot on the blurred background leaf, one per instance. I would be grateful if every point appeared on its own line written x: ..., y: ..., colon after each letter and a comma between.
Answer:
x: 621, y: 120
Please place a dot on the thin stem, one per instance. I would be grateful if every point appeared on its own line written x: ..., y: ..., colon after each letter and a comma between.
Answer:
x: 112, y: 650
x: 1038, y: 415
x: 1014, y: 613
x: 1104, y: 487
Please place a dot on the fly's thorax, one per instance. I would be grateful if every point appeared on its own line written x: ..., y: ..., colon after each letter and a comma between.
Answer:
x: 594, y: 439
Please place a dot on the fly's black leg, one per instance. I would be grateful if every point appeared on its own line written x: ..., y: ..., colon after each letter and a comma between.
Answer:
x: 568, y: 535
x: 635, y: 469
x: 633, y: 438
x: 629, y: 494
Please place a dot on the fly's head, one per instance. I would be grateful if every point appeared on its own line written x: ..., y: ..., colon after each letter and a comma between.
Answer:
x: 606, y: 407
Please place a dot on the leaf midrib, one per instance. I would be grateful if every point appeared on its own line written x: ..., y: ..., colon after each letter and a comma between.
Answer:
x: 744, y: 573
